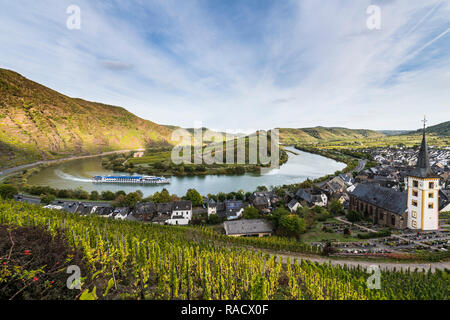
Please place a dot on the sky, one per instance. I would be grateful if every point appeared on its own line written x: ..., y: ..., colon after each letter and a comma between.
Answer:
x: 241, y: 64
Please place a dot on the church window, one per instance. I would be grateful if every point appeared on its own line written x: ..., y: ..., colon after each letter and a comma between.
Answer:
x: 430, y: 206
x: 415, y: 193
x: 431, y: 195
x: 414, y: 203
x: 415, y: 184
x: 414, y: 224
x: 393, y: 220
x: 431, y: 185
x: 414, y: 214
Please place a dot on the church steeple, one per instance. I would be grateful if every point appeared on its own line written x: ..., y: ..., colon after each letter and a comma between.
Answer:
x: 423, y: 168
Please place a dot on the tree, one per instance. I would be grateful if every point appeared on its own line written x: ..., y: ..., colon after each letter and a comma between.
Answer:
x: 251, y: 213
x: 131, y: 199
x: 108, y: 195
x: 64, y: 194
x: 221, y: 196
x: 213, y: 219
x: 94, y: 196
x: 162, y: 197
x: 336, y: 208
x: 276, y: 216
x: 47, y: 198
x: 354, y: 216
x: 195, y: 197
x: 8, y: 191
x: 261, y: 188
x: 291, y: 225
x: 120, y: 192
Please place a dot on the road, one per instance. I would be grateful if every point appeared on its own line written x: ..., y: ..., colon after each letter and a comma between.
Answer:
x: 361, y: 164
x: 4, y: 173
x: 364, y: 264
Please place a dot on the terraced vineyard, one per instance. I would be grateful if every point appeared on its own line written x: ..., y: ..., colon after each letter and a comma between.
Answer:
x: 138, y: 261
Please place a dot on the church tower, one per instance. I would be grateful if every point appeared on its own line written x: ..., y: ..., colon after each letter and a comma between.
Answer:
x: 423, y: 192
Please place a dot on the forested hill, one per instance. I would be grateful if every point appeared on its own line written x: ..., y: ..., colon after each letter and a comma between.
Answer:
x: 39, y: 123
x: 319, y: 134
x: 442, y: 129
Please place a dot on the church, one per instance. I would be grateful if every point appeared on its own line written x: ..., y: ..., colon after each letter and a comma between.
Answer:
x: 423, y: 193
x: 417, y: 208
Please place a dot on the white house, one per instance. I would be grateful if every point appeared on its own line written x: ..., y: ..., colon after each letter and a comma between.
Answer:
x: 181, y: 213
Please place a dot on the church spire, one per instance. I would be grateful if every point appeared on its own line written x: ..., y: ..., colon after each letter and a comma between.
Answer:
x: 423, y: 168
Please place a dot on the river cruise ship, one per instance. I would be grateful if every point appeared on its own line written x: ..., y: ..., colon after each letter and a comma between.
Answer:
x: 131, y: 179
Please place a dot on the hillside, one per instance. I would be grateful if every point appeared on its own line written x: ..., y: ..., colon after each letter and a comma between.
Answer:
x: 322, y: 134
x: 39, y: 123
x: 442, y: 129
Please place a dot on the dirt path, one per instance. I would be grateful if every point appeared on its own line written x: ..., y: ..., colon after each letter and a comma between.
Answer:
x: 353, y: 263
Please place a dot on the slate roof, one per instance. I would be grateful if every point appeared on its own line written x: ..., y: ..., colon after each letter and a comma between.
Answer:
x: 145, y: 208
x: 386, y: 198
x: 247, y: 227
x: 182, y: 205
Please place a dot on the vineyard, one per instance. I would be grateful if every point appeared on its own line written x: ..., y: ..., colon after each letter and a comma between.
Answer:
x: 132, y: 260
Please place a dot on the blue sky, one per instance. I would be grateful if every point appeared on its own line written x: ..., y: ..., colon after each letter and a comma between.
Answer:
x: 244, y: 65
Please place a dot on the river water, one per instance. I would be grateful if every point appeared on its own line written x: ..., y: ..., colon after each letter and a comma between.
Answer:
x: 77, y: 173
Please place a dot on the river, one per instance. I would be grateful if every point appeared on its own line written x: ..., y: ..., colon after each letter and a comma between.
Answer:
x: 77, y: 173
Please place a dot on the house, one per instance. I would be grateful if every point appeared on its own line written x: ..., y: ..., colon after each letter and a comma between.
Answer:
x: 385, y: 206
x: 313, y: 197
x: 293, y: 205
x: 164, y: 208
x: 211, y: 206
x: 248, y: 228
x: 444, y: 200
x: 85, y: 209
x: 181, y: 213
x: 234, y: 209
x: 260, y: 201
x: 53, y: 207
x: 144, y: 211
x: 121, y: 213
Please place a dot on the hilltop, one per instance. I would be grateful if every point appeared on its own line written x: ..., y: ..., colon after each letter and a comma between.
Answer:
x: 322, y: 134
x: 40, y: 123
x: 442, y: 129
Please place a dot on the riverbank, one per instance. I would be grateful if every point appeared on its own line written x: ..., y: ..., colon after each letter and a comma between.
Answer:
x: 8, y: 171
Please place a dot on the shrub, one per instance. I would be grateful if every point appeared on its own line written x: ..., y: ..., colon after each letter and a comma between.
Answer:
x: 8, y: 191
x: 354, y: 216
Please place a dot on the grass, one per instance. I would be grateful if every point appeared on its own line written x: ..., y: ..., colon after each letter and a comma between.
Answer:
x: 315, y: 234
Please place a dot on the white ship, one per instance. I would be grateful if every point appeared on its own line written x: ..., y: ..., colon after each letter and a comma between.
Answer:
x: 131, y: 179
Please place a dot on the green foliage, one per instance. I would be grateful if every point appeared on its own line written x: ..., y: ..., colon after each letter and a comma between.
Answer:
x: 8, y: 191
x: 354, y: 216
x: 335, y: 208
x: 47, y: 199
x: 161, y: 197
x: 291, y: 225
x: 370, y: 235
x: 251, y: 212
x: 166, y: 262
x: 213, y: 219
x: 195, y: 197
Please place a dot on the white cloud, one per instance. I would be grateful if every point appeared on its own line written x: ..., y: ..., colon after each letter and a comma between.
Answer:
x: 304, y: 64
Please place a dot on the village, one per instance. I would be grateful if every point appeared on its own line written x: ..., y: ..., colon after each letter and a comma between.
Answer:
x: 376, y: 214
